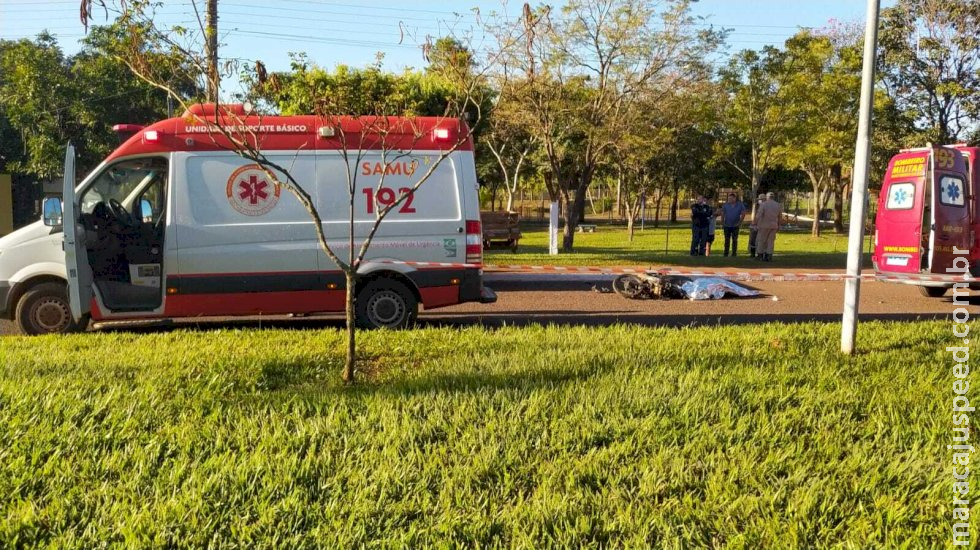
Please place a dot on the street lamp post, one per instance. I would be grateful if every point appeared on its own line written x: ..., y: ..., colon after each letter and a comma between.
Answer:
x: 859, y: 191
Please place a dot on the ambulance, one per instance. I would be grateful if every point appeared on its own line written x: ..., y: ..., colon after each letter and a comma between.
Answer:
x: 175, y: 224
x: 928, y: 214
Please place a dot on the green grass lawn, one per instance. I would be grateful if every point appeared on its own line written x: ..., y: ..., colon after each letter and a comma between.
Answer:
x: 658, y: 246
x: 743, y: 437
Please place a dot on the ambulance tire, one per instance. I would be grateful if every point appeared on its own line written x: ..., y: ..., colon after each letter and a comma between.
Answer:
x: 385, y: 303
x: 44, y: 309
x: 933, y: 291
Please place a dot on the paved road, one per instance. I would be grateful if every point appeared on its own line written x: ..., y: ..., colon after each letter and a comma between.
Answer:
x: 569, y: 299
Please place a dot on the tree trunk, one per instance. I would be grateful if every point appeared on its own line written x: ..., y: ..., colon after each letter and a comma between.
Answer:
x: 351, y: 359
x: 837, y: 190
x: 574, y: 204
x: 619, y: 195
x: 815, y: 230
x: 673, y: 206
x: 756, y: 177
x: 630, y: 222
x: 656, y: 214
x: 838, y: 212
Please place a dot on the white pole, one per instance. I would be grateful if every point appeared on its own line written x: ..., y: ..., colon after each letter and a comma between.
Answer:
x: 859, y: 191
x: 553, y: 230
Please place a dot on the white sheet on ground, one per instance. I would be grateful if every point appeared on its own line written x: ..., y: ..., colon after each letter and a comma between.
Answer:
x: 714, y: 288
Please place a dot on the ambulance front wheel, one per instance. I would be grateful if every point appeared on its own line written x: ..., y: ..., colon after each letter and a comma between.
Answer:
x: 933, y: 291
x: 385, y: 303
x: 44, y: 309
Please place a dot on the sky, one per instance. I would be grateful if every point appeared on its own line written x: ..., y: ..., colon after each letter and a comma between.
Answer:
x: 352, y: 32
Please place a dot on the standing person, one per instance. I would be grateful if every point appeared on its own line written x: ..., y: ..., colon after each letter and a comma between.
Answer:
x: 732, y: 216
x: 754, y: 226
x: 712, y: 224
x: 769, y: 219
x: 700, y: 216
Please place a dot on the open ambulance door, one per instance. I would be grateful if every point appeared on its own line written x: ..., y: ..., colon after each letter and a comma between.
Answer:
x: 950, y: 209
x: 76, y: 257
x: 901, y: 226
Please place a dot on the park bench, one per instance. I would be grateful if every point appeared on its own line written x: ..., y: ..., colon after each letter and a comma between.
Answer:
x: 586, y: 228
x: 501, y: 229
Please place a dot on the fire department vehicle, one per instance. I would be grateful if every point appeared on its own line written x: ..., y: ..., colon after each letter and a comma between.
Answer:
x: 175, y: 224
x: 927, y: 210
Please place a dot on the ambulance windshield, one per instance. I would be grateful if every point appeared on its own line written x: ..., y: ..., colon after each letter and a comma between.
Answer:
x: 120, y: 180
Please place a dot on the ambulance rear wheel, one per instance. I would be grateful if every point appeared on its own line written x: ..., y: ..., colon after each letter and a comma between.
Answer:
x: 933, y: 291
x: 44, y: 309
x: 385, y: 303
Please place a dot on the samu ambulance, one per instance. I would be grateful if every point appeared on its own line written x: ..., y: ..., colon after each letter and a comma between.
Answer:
x: 175, y: 224
x: 928, y: 215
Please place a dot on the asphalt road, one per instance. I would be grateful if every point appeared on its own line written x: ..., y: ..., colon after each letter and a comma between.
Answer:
x: 570, y: 299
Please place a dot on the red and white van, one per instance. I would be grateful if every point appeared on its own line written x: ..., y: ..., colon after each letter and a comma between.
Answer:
x: 175, y: 224
x: 928, y: 206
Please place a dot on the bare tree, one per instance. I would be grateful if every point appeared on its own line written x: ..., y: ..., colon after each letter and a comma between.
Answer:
x: 510, y: 146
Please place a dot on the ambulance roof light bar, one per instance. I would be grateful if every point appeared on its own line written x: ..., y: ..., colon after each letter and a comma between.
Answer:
x: 210, y: 109
x: 127, y: 128
x: 126, y: 131
x: 928, y: 147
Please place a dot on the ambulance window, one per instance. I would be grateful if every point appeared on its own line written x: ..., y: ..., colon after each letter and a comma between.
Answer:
x: 901, y: 196
x: 119, y: 181
x: 951, y: 191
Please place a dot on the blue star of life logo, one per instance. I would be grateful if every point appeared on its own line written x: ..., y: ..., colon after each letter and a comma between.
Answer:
x: 901, y: 196
x: 953, y: 191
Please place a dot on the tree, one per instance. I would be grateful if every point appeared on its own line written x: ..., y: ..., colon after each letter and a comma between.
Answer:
x: 929, y: 61
x: 448, y: 57
x: 37, y: 98
x: 580, y: 72
x: 755, y: 114
x: 347, y: 90
x: 666, y: 146
x: 507, y: 138
x: 111, y: 94
x: 821, y: 83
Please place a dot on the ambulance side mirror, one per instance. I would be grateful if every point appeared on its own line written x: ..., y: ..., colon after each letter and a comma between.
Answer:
x: 52, y: 208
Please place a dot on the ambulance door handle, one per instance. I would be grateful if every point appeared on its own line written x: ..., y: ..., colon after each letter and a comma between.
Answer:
x: 459, y: 229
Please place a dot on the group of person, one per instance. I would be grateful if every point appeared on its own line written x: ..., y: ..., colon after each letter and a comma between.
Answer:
x: 762, y: 231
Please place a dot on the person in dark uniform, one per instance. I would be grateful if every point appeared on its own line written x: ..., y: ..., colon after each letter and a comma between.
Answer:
x: 701, y: 214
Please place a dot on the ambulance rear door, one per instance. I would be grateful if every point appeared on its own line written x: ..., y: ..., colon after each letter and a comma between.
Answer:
x: 899, y: 224
x: 951, y: 214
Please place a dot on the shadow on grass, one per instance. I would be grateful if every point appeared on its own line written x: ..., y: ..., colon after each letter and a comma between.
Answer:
x: 537, y: 318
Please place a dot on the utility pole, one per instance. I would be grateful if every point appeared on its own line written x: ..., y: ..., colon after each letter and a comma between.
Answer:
x: 859, y: 192
x: 211, y: 45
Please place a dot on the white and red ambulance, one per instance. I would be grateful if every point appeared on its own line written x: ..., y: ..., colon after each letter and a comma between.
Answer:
x: 928, y: 210
x: 175, y: 224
